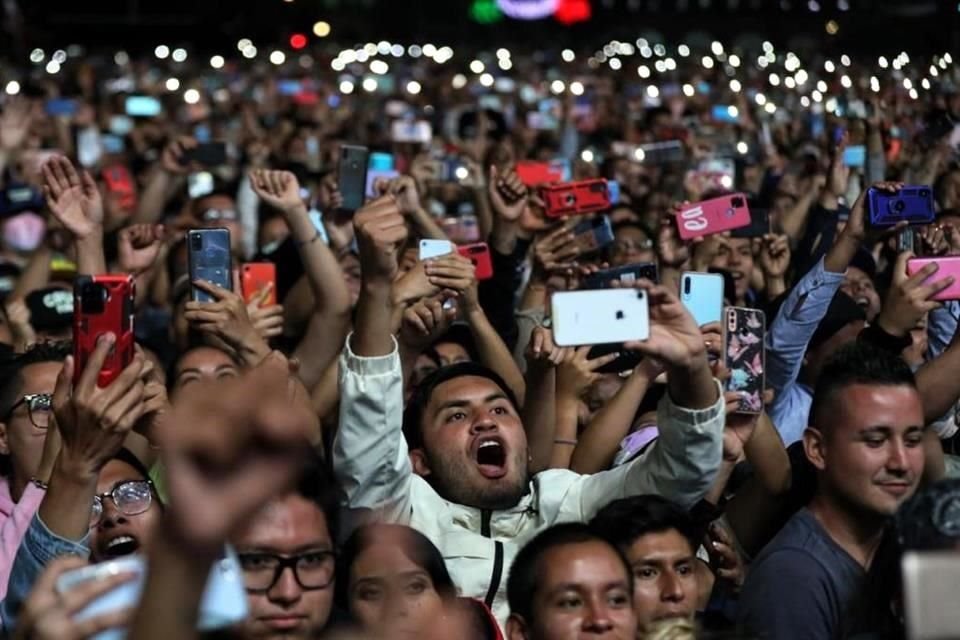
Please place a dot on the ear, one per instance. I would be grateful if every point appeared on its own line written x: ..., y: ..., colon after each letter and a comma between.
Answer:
x: 516, y: 628
x: 418, y: 460
x: 814, y: 447
x: 4, y: 443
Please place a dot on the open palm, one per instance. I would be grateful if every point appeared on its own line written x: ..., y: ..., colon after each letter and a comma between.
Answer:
x: 74, y: 199
x: 675, y: 338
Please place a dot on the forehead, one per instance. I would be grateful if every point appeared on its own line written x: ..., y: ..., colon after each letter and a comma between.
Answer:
x: 856, y: 273
x: 40, y: 377
x: 862, y: 406
x: 740, y: 243
x: 286, y: 524
x: 669, y: 544
x: 204, y: 358
x: 466, y: 388
x: 631, y: 232
x: 116, y: 471
x: 583, y: 564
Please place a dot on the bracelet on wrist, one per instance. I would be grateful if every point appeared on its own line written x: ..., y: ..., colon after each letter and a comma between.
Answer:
x: 303, y: 243
x: 40, y: 484
x: 565, y: 441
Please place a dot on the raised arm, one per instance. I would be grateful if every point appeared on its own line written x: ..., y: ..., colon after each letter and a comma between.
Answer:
x: 165, y: 175
x: 75, y: 201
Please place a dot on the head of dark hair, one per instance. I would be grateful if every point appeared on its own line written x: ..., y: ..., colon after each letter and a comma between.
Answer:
x: 195, y: 342
x: 411, y: 543
x: 413, y: 414
x: 11, y: 372
x: 624, y: 521
x: 525, y: 572
x: 317, y: 484
x: 856, y: 363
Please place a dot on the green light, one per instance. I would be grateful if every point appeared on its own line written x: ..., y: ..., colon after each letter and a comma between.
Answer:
x: 485, y: 11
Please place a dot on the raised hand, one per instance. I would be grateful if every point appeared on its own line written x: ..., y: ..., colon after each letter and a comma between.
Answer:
x: 231, y: 447
x: 724, y: 559
x: 171, y: 160
x: 541, y: 348
x: 73, y: 199
x: 576, y: 373
x: 426, y: 320
x: 839, y: 175
x: 774, y: 255
x: 15, y: 123
x: 556, y: 251
x: 267, y: 320
x: 675, y: 339
x: 508, y: 194
x: 139, y: 245
x: 279, y: 189
x: 381, y: 233
x: 404, y: 190
x: 671, y: 249
x: 909, y: 297
x: 453, y: 272
x: 225, y: 319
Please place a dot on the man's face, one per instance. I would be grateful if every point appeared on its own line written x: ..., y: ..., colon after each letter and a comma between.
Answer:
x: 19, y: 437
x: 664, y: 580
x: 119, y: 534
x: 204, y: 364
x: 859, y: 285
x: 287, y: 526
x: 583, y: 591
x: 631, y: 245
x: 451, y: 353
x: 736, y: 256
x: 870, y: 455
x: 476, y: 449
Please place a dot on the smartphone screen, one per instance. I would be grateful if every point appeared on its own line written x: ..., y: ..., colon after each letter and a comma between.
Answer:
x: 143, y: 106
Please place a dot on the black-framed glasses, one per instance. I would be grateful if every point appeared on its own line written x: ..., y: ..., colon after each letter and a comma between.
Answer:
x: 311, y: 569
x: 39, y: 408
x: 131, y: 497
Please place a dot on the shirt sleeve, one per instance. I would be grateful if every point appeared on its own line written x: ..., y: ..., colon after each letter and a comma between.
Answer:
x: 369, y: 452
x: 15, y: 528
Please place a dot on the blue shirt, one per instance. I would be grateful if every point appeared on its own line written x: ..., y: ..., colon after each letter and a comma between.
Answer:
x: 803, y: 585
x: 786, y: 343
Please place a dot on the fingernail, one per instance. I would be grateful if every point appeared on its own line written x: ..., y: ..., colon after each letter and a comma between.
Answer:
x: 107, y: 338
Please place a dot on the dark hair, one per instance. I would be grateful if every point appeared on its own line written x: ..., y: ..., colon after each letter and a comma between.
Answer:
x: 11, y: 373
x: 413, y: 544
x: 413, y: 414
x: 856, y: 363
x: 318, y: 485
x: 525, y: 571
x: 624, y: 521
x: 193, y: 346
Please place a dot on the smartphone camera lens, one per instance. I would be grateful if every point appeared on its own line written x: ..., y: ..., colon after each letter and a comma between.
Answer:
x: 569, y: 199
x: 737, y: 203
x: 899, y: 205
x: 196, y: 242
x: 686, y: 286
x: 924, y: 193
x: 93, y: 298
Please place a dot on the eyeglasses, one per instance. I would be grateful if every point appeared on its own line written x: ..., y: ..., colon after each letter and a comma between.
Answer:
x: 212, y: 215
x: 626, y: 246
x: 39, y: 407
x: 312, y: 569
x: 131, y: 497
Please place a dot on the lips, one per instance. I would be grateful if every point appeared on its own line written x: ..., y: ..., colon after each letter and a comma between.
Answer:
x: 120, y: 545
x: 284, y: 623
x: 490, y: 454
x: 896, y: 488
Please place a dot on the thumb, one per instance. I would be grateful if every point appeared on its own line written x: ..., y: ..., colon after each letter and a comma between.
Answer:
x: 494, y: 174
x: 900, y: 269
x: 236, y: 281
x: 262, y: 295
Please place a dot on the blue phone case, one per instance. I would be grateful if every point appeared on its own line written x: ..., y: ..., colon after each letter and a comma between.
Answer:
x: 702, y: 295
x: 913, y: 204
x: 855, y: 156
x: 593, y: 233
x: 208, y: 252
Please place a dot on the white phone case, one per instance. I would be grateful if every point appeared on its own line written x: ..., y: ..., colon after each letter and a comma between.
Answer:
x: 599, y: 316
x: 435, y: 248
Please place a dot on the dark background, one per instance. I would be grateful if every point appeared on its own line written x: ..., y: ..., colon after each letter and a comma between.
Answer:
x: 212, y: 26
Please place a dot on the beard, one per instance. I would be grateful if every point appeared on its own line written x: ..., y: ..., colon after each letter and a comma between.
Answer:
x: 455, y: 480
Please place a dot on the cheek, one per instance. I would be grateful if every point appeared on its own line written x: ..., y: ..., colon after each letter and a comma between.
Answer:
x: 368, y: 612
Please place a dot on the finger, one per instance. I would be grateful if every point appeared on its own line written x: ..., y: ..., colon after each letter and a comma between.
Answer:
x: 88, y: 377
x: 128, y: 379
x: 934, y: 288
x: 596, y: 363
x: 412, y: 318
x: 61, y: 389
x: 213, y: 289
x: 104, y: 622
x: 262, y: 295
x: 70, y: 172
x: 536, y: 342
x: 89, y: 185
x: 59, y: 174
x: 86, y: 592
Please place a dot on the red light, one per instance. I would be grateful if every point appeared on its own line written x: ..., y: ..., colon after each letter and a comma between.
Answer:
x: 298, y: 41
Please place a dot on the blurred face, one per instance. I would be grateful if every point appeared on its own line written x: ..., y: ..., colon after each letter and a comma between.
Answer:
x: 476, y: 449
x: 664, y: 577
x: 204, y: 364
x: 350, y: 264
x: 583, y: 591
x: 631, y: 245
x: 20, y: 438
x: 120, y: 533
x: 451, y: 353
x: 219, y: 211
x: 859, y: 285
x: 288, y: 526
x: 870, y: 455
x: 736, y: 256
x: 273, y: 232
x: 389, y: 595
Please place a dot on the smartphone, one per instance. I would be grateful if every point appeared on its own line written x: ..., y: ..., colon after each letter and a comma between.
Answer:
x: 666, y: 152
x: 255, y: 277
x: 759, y: 225
x: 913, y: 204
x: 627, y: 275
x: 907, y: 240
x: 18, y: 198
x: 288, y: 87
x: 947, y: 266
x: 593, y: 233
x: 142, y: 106
x: 223, y: 603
x: 60, y: 107
x: 713, y: 216
x: 376, y: 174
x: 352, y: 176
x: 112, y: 143
x: 726, y: 113
x: 199, y: 184
x: 120, y: 125
x: 743, y: 335
x: 930, y: 580
x: 118, y: 181
x: 479, y: 254
x: 702, y: 295
x: 103, y: 304
x: 599, y: 316
x: 380, y: 161
x: 415, y: 131
x: 534, y: 174
x: 613, y: 188
x: 208, y: 255
x: 575, y: 198
x: 207, y: 154
x: 855, y: 156
x: 434, y: 248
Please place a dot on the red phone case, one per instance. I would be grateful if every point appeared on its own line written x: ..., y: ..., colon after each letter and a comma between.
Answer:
x: 948, y: 266
x: 479, y: 254
x: 713, y: 216
x: 575, y: 198
x: 257, y: 275
x: 119, y: 181
x: 103, y: 304
x: 534, y: 174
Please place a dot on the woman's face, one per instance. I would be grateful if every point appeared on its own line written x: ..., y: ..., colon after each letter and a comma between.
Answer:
x: 389, y: 595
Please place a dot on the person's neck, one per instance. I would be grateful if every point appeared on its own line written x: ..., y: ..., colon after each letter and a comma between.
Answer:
x: 858, y: 534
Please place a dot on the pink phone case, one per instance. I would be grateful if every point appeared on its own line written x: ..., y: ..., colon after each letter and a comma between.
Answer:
x: 713, y: 216
x: 948, y: 266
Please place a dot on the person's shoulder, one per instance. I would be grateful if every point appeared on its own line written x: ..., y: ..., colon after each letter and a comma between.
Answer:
x: 800, y: 549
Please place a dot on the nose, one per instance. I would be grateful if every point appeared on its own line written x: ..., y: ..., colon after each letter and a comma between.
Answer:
x: 483, y: 423
x: 286, y: 590
x: 597, y: 618
x: 897, y: 458
x: 670, y: 588
x: 111, y: 516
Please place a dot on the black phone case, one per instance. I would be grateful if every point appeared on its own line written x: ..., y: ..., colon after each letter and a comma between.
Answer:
x: 759, y: 225
x: 352, y: 176
x: 209, y: 154
x: 208, y: 252
x: 627, y: 274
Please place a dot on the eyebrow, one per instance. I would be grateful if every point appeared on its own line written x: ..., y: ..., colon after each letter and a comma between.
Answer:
x: 416, y: 573
x: 887, y: 429
x: 450, y: 404
x: 311, y: 546
x: 578, y: 587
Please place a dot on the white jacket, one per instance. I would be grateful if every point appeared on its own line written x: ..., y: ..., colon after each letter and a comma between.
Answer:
x: 371, y: 464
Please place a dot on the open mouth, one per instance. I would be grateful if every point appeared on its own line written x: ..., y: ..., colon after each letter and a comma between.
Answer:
x: 122, y: 545
x: 862, y: 301
x: 491, y: 457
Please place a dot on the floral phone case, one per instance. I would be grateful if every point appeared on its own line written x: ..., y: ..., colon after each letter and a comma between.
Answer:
x: 744, y: 356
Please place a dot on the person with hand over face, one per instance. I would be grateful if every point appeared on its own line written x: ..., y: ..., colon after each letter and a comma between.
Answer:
x: 455, y: 465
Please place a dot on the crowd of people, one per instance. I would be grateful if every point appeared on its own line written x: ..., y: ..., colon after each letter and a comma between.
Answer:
x: 379, y: 445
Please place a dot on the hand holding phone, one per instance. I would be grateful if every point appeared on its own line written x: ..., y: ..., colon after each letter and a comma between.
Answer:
x: 575, y: 198
x: 207, y: 154
x: 208, y: 255
x: 478, y: 253
x: 599, y: 316
x: 257, y: 278
x: 912, y: 204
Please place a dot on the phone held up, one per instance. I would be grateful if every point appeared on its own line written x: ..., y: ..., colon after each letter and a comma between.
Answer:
x: 575, y: 198
x: 103, y: 304
x: 744, y: 356
x: 600, y: 316
x: 257, y: 276
x: 352, y: 176
x: 713, y: 216
x: 208, y: 255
